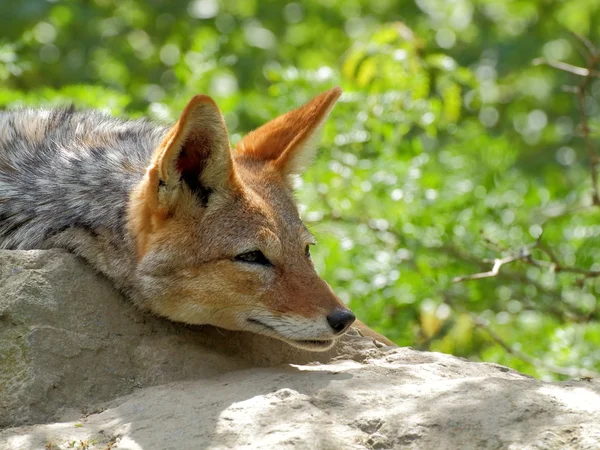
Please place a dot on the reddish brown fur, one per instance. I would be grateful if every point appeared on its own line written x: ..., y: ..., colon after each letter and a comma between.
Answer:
x: 187, y: 253
x: 280, y: 139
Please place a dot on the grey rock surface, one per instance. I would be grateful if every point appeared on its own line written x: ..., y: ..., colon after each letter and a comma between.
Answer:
x: 81, y: 366
x: 68, y: 341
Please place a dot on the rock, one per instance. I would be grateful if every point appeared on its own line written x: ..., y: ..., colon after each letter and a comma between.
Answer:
x: 72, y: 351
x: 69, y: 341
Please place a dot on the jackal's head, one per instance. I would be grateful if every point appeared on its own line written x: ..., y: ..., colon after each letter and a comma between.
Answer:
x: 218, y: 234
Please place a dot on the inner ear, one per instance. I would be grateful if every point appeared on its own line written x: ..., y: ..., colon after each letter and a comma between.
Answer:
x: 195, y: 153
x: 191, y: 163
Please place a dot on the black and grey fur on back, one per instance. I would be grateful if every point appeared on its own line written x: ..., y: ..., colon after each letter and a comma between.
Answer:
x: 64, y: 169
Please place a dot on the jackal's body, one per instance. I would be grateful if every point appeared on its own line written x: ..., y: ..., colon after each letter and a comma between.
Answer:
x: 64, y: 168
x: 65, y: 181
x: 184, y: 225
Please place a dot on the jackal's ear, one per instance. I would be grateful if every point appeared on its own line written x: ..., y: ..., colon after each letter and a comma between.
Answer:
x: 287, y: 141
x: 196, y: 151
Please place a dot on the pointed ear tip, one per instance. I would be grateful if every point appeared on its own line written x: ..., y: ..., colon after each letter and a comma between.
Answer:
x: 333, y: 93
x: 201, y: 99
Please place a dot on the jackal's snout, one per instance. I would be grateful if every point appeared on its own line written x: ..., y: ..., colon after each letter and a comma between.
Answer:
x: 340, y: 319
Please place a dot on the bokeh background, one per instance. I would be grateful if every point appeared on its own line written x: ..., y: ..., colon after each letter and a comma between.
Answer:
x: 455, y: 143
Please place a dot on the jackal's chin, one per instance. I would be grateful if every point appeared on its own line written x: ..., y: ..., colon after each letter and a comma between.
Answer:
x: 292, y: 335
x: 313, y: 346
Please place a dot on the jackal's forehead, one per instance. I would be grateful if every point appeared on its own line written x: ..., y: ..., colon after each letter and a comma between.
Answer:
x: 268, y: 217
x: 264, y: 214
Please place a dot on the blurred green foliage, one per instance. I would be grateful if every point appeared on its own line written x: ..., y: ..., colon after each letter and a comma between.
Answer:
x: 448, y: 148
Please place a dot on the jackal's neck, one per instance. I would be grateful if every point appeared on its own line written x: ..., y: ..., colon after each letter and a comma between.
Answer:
x: 66, y: 178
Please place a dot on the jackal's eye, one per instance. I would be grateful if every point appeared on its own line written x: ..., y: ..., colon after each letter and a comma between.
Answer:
x: 254, y: 257
x: 307, y: 250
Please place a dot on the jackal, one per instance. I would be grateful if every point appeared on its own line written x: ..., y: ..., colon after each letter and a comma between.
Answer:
x: 180, y: 222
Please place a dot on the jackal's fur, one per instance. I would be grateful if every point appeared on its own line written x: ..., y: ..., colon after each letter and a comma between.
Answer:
x: 184, y: 225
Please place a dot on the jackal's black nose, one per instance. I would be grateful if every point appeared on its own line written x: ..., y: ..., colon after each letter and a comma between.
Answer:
x: 340, y: 319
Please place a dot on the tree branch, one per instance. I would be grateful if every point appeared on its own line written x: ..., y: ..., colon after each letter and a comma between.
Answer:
x: 498, y: 263
x: 525, y: 255
x: 570, y: 372
x: 589, y: 72
x: 565, y: 67
x: 587, y: 44
x: 589, y: 144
